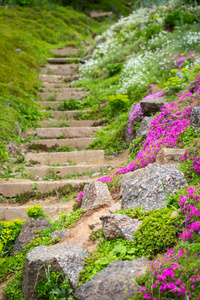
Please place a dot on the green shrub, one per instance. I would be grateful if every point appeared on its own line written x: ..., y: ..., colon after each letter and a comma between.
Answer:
x: 3, y: 152
x: 114, y: 69
x: 9, y: 231
x: 136, y: 213
x: 35, y: 211
x: 156, y: 233
x: 68, y: 221
x: 54, y: 285
x: 71, y: 104
x: 177, y: 18
x: 118, y: 104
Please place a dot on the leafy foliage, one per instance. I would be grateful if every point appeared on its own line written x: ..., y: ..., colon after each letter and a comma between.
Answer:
x: 35, y: 211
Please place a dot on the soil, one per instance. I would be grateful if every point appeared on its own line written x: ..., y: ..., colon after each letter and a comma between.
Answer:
x: 79, y: 234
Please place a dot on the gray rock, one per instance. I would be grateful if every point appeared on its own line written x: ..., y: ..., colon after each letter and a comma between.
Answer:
x: 151, y: 106
x: 12, y: 148
x: 115, y: 207
x: 96, y: 194
x: 59, y: 234
x: 117, y: 225
x: 96, y: 174
x: 151, y: 190
x: 144, y: 127
x: 180, y: 74
x: 28, y: 233
x: 195, y: 118
x: 169, y: 156
x: 193, y: 85
x: 113, y: 283
x: 152, y: 89
x: 68, y: 258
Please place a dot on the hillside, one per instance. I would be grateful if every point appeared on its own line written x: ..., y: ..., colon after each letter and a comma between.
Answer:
x: 101, y: 198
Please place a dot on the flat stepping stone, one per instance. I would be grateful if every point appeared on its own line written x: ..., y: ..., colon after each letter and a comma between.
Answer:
x: 78, y: 157
x: 57, y: 78
x: 62, y: 52
x: 67, y: 114
x: 59, y: 60
x: 43, y: 171
x: 55, y: 85
x: 74, y: 123
x: 54, y: 104
x: 74, y: 143
x: 100, y: 14
x: 9, y: 213
x: 67, y: 132
x: 12, y: 189
x: 65, y: 70
x: 60, y: 88
x: 60, y: 96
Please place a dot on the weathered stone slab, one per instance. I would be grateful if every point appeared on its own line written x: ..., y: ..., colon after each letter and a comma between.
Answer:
x: 119, y: 226
x: 67, y: 114
x: 113, y: 283
x: 74, y: 143
x: 88, y: 156
x: 68, y: 258
x: 100, y: 14
x: 68, y: 132
x: 96, y: 194
x: 62, y: 52
x: 59, y: 60
x: 59, y: 234
x: 151, y: 191
x: 60, y: 96
x: 169, y: 156
x: 55, y: 104
x: 71, y: 123
x: 28, y: 233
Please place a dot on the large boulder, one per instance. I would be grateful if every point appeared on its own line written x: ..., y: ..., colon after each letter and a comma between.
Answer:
x: 144, y: 127
x: 195, y: 118
x: 151, y: 190
x: 59, y: 234
x: 67, y: 258
x: 169, y: 156
x: 151, y: 106
x: 95, y: 194
x: 113, y: 283
x: 117, y: 225
x: 28, y: 233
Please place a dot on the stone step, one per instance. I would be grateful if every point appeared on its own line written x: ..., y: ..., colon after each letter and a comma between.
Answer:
x: 64, y: 95
x: 55, y: 104
x: 9, y: 213
x: 54, y: 85
x: 59, y: 60
x: 67, y: 114
x: 100, y: 14
x: 53, y: 89
x: 57, y: 78
x: 74, y: 143
x: 12, y: 189
x: 78, y: 157
x: 43, y: 171
x: 64, y: 70
x: 73, y: 123
x: 68, y: 132
x: 62, y: 52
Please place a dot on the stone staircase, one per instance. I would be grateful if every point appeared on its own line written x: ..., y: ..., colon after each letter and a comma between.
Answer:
x: 56, y: 78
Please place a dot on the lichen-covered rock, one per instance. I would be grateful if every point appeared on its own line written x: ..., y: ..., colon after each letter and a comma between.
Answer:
x: 169, y: 156
x: 195, y: 118
x: 115, y: 207
x: 113, y: 283
x: 144, y: 127
x: 117, y: 225
x: 68, y: 258
x: 96, y: 194
x: 28, y: 233
x: 151, y: 190
x: 59, y: 234
x: 153, y: 105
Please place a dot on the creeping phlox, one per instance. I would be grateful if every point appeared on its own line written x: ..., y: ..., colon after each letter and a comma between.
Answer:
x: 168, y: 274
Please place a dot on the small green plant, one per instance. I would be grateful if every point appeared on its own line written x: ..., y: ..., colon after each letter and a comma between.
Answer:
x: 71, y: 104
x: 62, y: 137
x: 54, y: 285
x: 68, y: 221
x: 35, y: 211
x: 114, y: 69
x: 136, y: 213
x: 135, y: 147
x: 118, y: 104
x: 96, y: 235
x: 3, y: 152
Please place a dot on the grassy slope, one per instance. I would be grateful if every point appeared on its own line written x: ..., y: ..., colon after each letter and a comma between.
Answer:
x: 35, y: 31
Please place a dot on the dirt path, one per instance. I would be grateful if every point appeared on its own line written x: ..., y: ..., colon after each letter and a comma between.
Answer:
x: 80, y: 233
